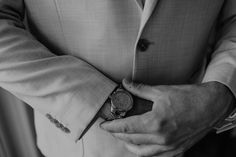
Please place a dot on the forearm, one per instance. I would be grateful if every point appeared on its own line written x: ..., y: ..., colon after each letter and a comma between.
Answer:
x: 64, y: 87
x: 220, y: 92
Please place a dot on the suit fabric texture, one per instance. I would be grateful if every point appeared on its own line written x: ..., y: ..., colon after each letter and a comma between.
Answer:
x: 75, y: 52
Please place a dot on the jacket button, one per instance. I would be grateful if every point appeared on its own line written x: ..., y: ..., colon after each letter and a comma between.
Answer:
x: 59, y: 125
x: 143, y: 45
x: 49, y: 116
x: 66, y: 130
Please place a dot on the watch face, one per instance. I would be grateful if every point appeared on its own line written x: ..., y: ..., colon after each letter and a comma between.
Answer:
x: 122, y: 101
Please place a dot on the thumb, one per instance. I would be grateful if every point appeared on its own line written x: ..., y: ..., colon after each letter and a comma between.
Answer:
x: 139, y: 90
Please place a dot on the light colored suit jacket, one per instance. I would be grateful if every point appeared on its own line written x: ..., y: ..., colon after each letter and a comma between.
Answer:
x: 79, y: 50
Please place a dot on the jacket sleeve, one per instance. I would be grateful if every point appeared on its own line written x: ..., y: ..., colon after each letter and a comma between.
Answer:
x: 66, y: 89
x: 222, y: 67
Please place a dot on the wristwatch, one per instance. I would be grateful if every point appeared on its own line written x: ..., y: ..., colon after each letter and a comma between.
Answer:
x: 121, y: 101
x: 227, y: 124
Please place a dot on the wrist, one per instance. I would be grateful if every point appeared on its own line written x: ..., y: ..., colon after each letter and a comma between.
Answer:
x: 225, y: 99
x: 219, y: 92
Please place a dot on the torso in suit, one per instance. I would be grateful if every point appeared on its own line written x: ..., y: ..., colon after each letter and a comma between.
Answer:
x: 161, y: 42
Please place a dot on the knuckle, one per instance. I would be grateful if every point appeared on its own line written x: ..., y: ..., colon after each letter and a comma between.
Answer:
x: 165, y: 126
x: 169, y: 140
x: 164, y: 131
x: 125, y: 128
x: 166, y: 140
x: 158, y: 125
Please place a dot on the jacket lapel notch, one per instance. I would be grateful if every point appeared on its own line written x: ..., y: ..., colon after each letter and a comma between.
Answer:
x: 147, y: 11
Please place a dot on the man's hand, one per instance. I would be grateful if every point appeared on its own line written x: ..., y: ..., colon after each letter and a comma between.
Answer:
x: 181, y: 116
x: 140, y: 106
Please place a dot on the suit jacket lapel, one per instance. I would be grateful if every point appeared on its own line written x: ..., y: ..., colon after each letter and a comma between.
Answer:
x: 147, y: 12
x: 139, y: 3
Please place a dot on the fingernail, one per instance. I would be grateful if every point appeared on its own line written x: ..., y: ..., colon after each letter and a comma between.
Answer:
x: 101, y: 125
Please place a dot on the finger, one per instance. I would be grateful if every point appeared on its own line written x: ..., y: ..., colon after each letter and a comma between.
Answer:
x: 140, y: 139
x: 185, y: 138
x: 173, y: 153
x: 192, y: 140
x: 131, y: 124
x: 179, y: 155
x: 148, y: 150
x: 139, y: 90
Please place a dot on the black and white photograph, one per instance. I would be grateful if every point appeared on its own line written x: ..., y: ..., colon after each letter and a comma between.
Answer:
x: 117, y: 78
